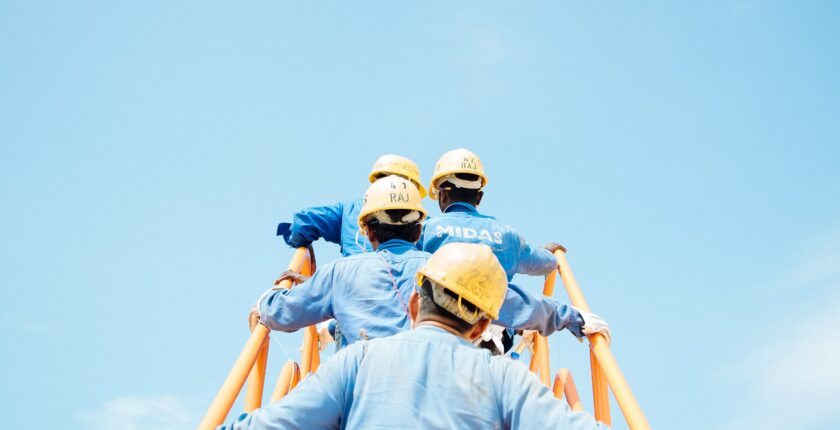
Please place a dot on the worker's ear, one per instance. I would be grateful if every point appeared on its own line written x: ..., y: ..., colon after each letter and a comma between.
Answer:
x: 478, y: 329
x: 417, y: 232
x: 443, y: 199
x: 413, y: 307
x: 369, y: 233
x: 478, y: 198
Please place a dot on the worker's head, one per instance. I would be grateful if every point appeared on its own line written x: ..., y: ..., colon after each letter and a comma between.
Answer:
x: 392, y: 210
x: 462, y: 286
x: 397, y: 165
x: 458, y: 177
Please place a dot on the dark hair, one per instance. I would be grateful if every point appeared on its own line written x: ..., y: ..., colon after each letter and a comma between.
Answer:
x: 461, y: 194
x: 428, y: 308
x: 386, y: 232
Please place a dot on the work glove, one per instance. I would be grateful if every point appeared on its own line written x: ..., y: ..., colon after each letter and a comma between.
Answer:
x: 594, y: 324
x: 492, y: 334
x: 554, y: 246
x: 324, y: 336
x: 291, y: 275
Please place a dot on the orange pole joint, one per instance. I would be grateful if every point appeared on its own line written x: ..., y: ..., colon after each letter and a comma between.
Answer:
x: 564, y: 384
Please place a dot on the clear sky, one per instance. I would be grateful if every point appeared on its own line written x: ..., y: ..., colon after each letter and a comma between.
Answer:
x: 688, y: 155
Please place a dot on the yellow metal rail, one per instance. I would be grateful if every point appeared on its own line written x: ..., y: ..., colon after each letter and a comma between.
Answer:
x: 251, y: 363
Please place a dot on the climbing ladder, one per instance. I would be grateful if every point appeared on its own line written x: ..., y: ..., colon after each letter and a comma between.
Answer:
x: 251, y: 363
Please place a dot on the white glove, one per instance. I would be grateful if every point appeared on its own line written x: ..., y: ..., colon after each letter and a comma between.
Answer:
x: 594, y: 324
x: 324, y: 336
x: 492, y: 334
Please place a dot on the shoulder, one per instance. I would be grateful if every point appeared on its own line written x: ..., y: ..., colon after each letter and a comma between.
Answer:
x: 508, y: 370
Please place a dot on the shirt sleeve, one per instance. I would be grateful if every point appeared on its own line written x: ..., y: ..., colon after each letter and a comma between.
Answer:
x: 305, y: 304
x: 530, y: 260
x: 523, y: 310
x: 526, y: 403
x: 319, y: 402
x: 419, y: 243
x: 314, y: 223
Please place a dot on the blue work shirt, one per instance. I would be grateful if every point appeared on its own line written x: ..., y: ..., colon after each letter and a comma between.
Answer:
x: 424, y: 378
x: 361, y: 295
x: 461, y: 222
x: 337, y: 223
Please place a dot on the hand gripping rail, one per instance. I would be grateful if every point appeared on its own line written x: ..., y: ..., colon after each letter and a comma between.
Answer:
x: 251, y: 363
x: 605, y: 370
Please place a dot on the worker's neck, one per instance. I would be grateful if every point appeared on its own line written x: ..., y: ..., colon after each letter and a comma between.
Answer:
x: 441, y: 326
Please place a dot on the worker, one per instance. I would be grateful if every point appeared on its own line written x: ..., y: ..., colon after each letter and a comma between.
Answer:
x: 457, y: 185
x: 368, y: 293
x: 338, y: 223
x: 431, y: 376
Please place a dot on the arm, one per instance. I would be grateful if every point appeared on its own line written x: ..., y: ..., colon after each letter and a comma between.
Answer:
x: 528, y: 404
x: 312, y: 224
x: 319, y: 402
x: 522, y: 310
x: 530, y: 260
x: 305, y: 304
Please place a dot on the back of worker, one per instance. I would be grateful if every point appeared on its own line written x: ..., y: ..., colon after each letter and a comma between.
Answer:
x: 366, y: 293
x: 461, y: 222
x: 457, y: 185
x: 427, y: 378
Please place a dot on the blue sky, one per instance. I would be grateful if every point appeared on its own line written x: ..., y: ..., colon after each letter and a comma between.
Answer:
x: 686, y: 154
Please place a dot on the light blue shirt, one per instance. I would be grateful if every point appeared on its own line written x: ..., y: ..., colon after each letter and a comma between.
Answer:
x: 336, y: 223
x: 461, y: 222
x: 425, y: 378
x: 360, y: 293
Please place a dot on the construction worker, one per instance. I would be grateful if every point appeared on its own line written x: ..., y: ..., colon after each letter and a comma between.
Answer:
x: 368, y: 293
x: 431, y: 376
x: 338, y: 223
x: 457, y: 185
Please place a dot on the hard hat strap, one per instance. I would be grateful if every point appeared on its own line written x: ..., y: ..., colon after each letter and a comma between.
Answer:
x: 461, y: 183
x: 384, y: 218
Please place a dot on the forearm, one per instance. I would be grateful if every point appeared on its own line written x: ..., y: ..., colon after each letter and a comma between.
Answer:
x: 536, y: 262
x: 522, y: 310
x: 281, y: 311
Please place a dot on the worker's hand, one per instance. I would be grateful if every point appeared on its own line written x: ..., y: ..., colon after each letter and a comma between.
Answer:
x: 553, y: 247
x: 594, y: 324
x: 528, y: 337
x: 291, y: 275
x: 253, y: 317
x: 324, y: 336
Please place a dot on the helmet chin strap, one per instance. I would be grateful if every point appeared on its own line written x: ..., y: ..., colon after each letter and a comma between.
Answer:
x: 361, y: 245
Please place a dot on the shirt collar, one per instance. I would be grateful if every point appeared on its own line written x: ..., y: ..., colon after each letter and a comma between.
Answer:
x: 395, y: 244
x: 460, y: 207
x: 441, y: 332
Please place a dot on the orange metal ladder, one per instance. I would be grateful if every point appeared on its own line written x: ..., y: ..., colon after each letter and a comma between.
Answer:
x: 251, y: 363
x: 604, y: 368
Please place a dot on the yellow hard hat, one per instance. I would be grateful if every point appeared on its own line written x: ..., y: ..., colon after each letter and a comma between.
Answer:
x: 397, y: 165
x: 393, y: 192
x: 471, y: 271
x: 456, y: 161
